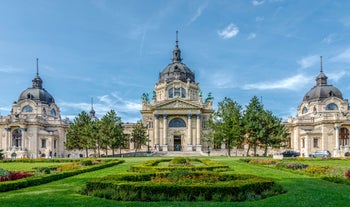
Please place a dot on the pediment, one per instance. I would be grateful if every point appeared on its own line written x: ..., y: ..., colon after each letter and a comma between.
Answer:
x: 177, y: 104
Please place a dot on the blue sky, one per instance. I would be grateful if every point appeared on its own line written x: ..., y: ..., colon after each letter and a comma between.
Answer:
x: 114, y: 50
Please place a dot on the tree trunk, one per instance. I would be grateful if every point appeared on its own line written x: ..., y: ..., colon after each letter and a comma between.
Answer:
x: 120, y: 152
x: 265, y: 150
x: 87, y: 152
x: 248, y: 150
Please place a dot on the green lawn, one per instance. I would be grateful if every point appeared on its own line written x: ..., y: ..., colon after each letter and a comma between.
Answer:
x: 302, y: 190
x: 27, y: 166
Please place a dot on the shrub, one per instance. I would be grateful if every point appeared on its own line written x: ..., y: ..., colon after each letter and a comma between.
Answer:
x: 3, y: 172
x: 86, y: 162
x: 293, y: 166
x: 317, y: 170
x: 347, y: 175
x: 347, y: 154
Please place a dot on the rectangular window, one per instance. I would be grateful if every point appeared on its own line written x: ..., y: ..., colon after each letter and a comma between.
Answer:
x: 43, y: 143
x: 177, y: 92
x: 303, y: 143
x: 315, y: 142
x: 55, y: 144
x: 170, y: 93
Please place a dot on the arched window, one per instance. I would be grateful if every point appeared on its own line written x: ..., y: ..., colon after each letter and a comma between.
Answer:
x: 344, y: 136
x: 177, y: 92
x: 332, y: 106
x: 183, y: 93
x: 177, y: 122
x: 170, y: 93
x: 53, y: 112
x: 304, y: 110
x: 17, y: 138
x: 27, y: 108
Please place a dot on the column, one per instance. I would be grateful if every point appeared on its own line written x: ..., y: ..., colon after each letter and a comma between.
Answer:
x: 198, y: 141
x: 189, y: 129
x: 189, y: 132
x: 156, y: 129
x: 165, y: 127
x: 336, y: 128
x: 306, y: 143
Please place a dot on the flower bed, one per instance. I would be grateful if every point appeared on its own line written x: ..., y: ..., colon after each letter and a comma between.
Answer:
x: 46, y: 178
x: 178, y: 164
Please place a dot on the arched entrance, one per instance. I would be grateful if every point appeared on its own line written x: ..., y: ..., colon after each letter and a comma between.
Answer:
x: 177, y: 143
x: 343, y: 137
x: 17, y: 138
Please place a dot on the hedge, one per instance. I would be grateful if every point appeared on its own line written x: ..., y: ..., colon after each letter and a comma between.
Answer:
x: 139, y: 187
x: 152, y: 166
x: 42, y: 179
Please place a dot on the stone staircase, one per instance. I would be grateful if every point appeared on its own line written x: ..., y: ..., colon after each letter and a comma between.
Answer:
x: 179, y: 153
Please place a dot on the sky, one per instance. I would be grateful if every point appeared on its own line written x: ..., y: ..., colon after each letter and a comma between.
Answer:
x: 112, y: 51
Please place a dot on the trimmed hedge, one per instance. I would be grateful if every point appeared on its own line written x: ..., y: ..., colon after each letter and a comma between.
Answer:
x: 152, y: 166
x: 38, y: 180
x: 139, y: 187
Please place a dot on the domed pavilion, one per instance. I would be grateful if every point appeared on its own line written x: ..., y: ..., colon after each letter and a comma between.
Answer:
x: 322, y: 121
x: 177, y: 115
x: 34, y: 128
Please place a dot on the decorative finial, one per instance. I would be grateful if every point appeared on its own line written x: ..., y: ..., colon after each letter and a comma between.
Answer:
x: 92, y: 103
x: 177, y: 40
x: 321, y: 65
x: 37, y: 66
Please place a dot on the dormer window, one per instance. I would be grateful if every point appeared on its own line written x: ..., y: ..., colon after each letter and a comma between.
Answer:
x: 53, y: 112
x: 304, y: 111
x: 27, y: 108
x: 332, y: 106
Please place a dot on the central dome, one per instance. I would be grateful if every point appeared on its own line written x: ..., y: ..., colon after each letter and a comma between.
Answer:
x: 37, y: 93
x: 322, y: 90
x: 176, y: 70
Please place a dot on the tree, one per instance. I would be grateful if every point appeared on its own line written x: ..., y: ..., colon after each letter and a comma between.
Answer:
x: 253, y: 124
x: 275, y: 132
x: 80, y: 134
x: 262, y: 128
x: 139, y: 135
x: 111, y: 131
x: 227, y: 124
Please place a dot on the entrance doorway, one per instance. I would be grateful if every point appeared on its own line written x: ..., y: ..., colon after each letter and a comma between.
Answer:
x: 177, y: 143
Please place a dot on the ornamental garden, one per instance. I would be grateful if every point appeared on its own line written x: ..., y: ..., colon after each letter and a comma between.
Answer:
x: 175, y: 181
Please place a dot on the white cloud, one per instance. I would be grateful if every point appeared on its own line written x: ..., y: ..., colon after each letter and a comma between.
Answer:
x: 251, y: 36
x: 9, y: 69
x: 228, y: 32
x: 222, y: 80
x: 342, y: 57
x: 257, y: 3
x: 308, y: 61
x: 336, y: 76
x: 198, y: 13
x: 292, y: 83
x: 127, y: 109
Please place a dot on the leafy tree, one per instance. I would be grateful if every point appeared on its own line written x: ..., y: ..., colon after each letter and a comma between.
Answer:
x: 262, y: 128
x: 139, y: 135
x: 275, y: 132
x: 80, y: 134
x: 111, y: 131
x: 253, y: 124
x: 227, y: 124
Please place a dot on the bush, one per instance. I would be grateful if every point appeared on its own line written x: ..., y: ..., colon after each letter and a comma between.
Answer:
x: 86, y: 162
x: 347, y: 175
x: 347, y: 154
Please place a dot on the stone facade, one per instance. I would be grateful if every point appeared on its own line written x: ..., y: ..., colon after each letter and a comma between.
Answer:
x: 34, y: 128
x: 177, y: 115
x: 322, y: 121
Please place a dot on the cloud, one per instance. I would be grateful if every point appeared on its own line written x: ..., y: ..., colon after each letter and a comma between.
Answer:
x: 127, y: 109
x: 9, y: 69
x: 251, y: 36
x: 228, y: 32
x: 257, y: 3
x: 342, y: 57
x: 336, y: 76
x: 330, y: 39
x: 308, y: 61
x: 222, y: 80
x: 198, y: 13
x: 292, y: 83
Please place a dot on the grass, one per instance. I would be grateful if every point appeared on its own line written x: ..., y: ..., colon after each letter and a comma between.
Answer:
x: 302, y: 190
x: 26, y: 166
